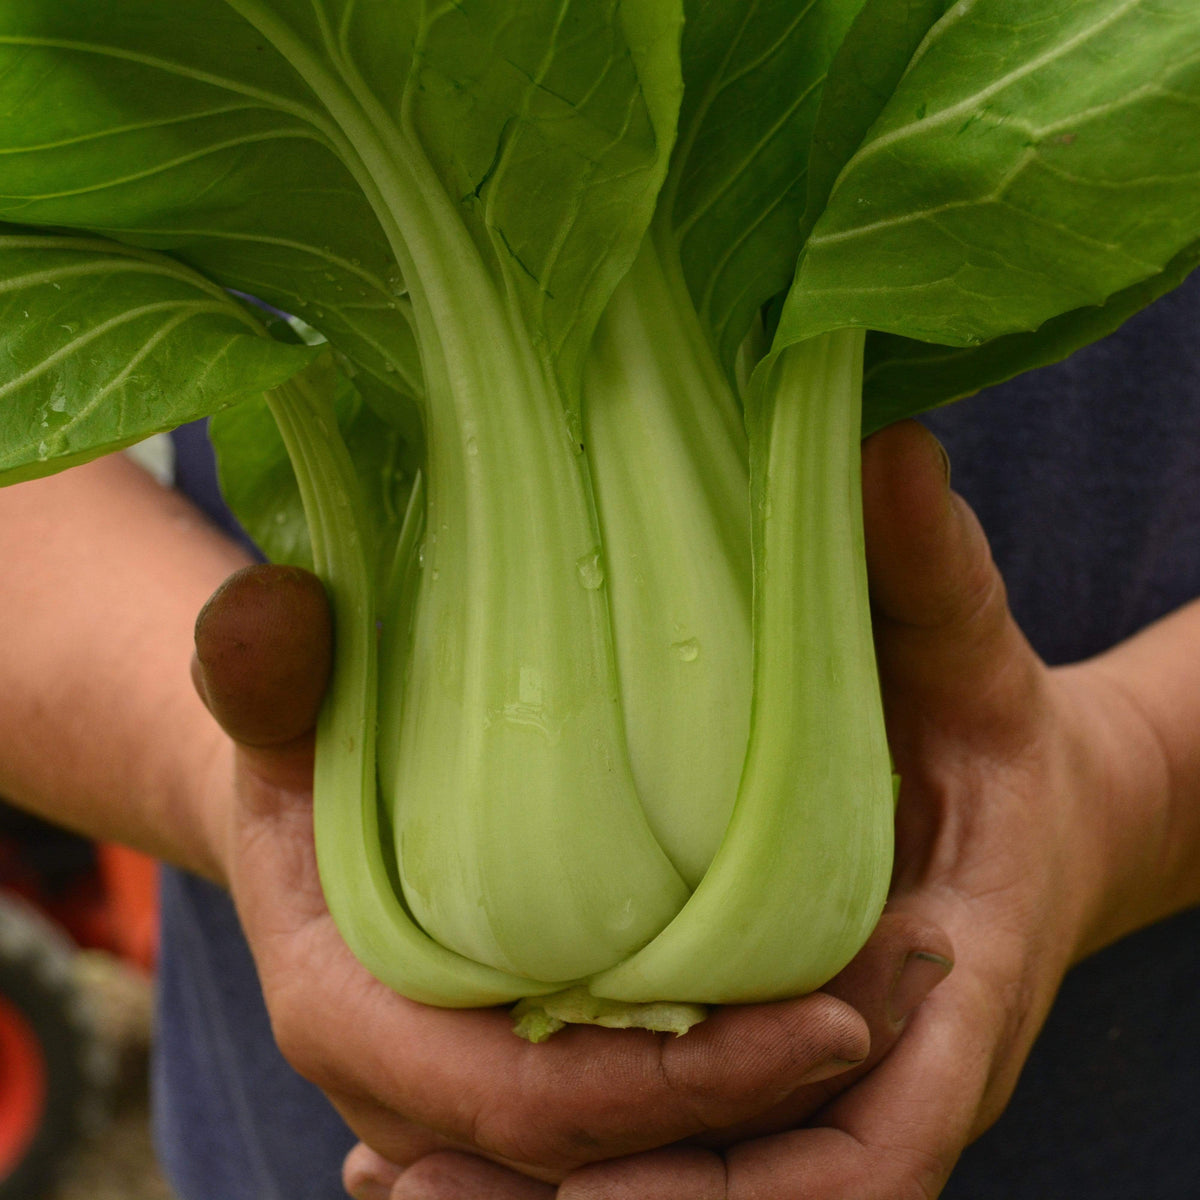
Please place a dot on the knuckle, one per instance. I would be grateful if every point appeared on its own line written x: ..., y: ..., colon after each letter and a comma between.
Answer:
x: 918, y: 1174
x: 698, y: 1085
x: 564, y: 1115
x: 293, y: 1030
x: 711, y: 1086
x: 543, y: 1134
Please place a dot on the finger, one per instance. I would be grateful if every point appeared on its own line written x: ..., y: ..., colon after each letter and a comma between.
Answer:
x: 264, y: 644
x: 450, y: 1176
x: 919, y: 536
x: 905, y: 958
x: 365, y: 1166
x: 943, y: 628
x: 674, y: 1173
x: 587, y: 1093
x: 367, y: 1175
x: 894, y: 1136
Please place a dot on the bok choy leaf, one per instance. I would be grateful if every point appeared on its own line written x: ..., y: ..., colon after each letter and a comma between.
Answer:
x: 597, y: 298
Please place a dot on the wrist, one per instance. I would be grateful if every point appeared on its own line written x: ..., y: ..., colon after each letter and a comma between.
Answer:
x: 1121, y: 782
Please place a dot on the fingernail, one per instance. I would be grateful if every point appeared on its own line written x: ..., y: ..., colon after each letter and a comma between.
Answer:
x: 916, y: 977
x: 371, y: 1189
x: 944, y: 458
x: 829, y: 1068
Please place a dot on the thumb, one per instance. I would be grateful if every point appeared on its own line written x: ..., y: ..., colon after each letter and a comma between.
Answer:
x: 264, y: 645
x: 944, y: 633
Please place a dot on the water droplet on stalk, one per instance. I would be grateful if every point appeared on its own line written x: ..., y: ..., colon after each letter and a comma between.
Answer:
x: 591, y: 570
x: 687, y: 651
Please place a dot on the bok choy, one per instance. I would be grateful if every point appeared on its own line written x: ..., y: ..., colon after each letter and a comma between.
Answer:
x: 547, y: 333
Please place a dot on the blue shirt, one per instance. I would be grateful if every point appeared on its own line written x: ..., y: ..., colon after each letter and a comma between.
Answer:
x: 1086, y: 476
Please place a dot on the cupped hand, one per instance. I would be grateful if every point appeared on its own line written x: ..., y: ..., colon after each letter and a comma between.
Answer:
x: 1025, y: 826
x: 1014, y: 834
x: 410, y: 1079
x: 886, y: 983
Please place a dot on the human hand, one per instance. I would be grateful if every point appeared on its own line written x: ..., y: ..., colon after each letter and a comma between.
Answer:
x: 886, y: 983
x: 1020, y: 831
x: 1030, y: 819
x: 410, y: 1079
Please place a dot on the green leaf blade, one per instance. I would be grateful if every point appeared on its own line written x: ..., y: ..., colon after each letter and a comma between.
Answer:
x: 190, y: 134
x: 100, y: 347
x: 978, y: 209
x: 864, y: 72
x: 753, y: 78
x: 549, y: 135
x: 905, y: 377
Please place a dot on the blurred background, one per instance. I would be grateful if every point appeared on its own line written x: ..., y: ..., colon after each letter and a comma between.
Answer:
x: 78, y: 937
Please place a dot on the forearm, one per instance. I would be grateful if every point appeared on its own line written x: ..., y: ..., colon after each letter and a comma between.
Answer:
x: 1149, y: 821
x: 100, y: 728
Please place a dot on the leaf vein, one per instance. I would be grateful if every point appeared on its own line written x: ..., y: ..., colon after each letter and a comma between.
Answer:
x: 101, y: 330
x: 971, y: 104
x: 166, y: 165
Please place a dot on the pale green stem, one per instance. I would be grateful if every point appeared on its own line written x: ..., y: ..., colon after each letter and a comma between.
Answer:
x: 801, y: 877
x: 350, y: 851
x: 520, y: 837
x: 667, y: 447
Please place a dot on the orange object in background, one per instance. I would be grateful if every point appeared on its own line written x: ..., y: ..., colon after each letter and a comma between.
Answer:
x: 59, y: 894
x: 129, y: 882
x: 103, y: 896
x: 23, y: 1087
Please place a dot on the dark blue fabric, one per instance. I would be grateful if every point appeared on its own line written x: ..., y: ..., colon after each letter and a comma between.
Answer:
x: 232, y: 1120
x: 1087, y: 478
x: 196, y: 477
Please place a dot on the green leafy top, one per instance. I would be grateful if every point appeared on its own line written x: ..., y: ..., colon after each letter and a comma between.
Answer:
x: 980, y: 171
x: 541, y: 247
x: 1028, y: 161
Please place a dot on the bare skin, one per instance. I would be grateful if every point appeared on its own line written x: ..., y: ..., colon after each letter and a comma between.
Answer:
x: 586, y: 1095
x: 103, y: 730
x: 1044, y: 813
